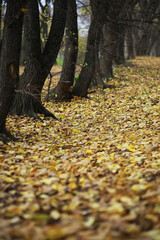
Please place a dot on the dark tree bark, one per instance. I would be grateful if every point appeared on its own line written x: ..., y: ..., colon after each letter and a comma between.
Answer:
x: 97, y: 79
x: 9, y: 69
x: 110, y: 38
x: 99, y: 8
x: 38, y: 63
x: 108, y: 50
x: 129, y: 43
x: 157, y: 47
x: 124, y: 30
x: 119, y: 58
x: 61, y: 91
x: 0, y: 26
x: 142, y: 44
x: 0, y: 19
x: 121, y: 30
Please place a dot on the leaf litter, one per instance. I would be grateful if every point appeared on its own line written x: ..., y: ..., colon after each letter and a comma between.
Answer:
x: 93, y: 176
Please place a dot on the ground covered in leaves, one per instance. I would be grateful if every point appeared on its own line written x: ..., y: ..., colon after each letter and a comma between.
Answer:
x: 95, y: 175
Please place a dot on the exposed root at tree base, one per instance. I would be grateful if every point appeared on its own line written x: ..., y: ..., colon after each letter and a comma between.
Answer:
x: 46, y: 113
x: 30, y: 107
x: 6, y: 136
x: 41, y: 110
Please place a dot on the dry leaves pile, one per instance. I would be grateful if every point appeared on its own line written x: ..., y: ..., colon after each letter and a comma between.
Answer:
x: 93, y: 176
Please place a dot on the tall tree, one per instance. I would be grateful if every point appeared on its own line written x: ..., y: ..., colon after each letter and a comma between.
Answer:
x: 119, y: 56
x: 108, y: 48
x: 1, y: 23
x: 61, y: 91
x: 9, y: 68
x: 99, y: 9
x: 0, y: 18
x: 110, y: 33
x: 129, y: 45
x: 39, y: 62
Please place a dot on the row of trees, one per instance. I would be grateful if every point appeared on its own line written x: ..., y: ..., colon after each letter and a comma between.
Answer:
x: 112, y: 24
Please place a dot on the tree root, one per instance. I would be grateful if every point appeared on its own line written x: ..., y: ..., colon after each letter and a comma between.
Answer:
x: 33, y: 113
x: 46, y: 113
x: 6, y: 136
x: 29, y: 106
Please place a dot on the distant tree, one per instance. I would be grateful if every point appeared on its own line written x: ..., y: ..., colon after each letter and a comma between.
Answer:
x: 129, y: 24
x: 124, y: 42
x: 38, y: 62
x: 45, y: 16
x: 82, y: 41
x: 146, y: 30
x: 84, y: 14
x: 9, y: 68
x: 121, y: 30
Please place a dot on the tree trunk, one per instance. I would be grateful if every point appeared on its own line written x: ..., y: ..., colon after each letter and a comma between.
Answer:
x: 120, y: 59
x: 61, y: 91
x: 142, y: 45
x: 97, y: 79
x: 38, y: 64
x: 110, y: 38
x: 0, y: 19
x: 0, y: 27
x: 29, y: 88
x: 9, y: 69
x: 108, y: 50
x: 157, y: 47
x: 87, y: 73
x: 129, y: 43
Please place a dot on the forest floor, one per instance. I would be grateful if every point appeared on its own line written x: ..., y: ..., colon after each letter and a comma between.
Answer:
x: 95, y: 175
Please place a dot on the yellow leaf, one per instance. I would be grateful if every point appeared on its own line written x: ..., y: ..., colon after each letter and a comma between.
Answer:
x: 90, y: 221
x: 138, y: 188
x: 35, y: 157
x: 55, y: 214
x: 131, y: 148
x: 53, y: 232
x: 72, y: 185
x: 89, y: 151
x: 24, y: 10
x: 75, y: 130
x: 116, y: 208
x: 9, y: 180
